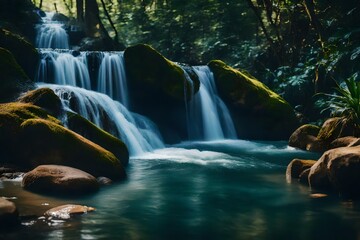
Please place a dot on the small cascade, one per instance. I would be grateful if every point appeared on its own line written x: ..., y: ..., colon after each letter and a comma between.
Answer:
x: 51, y: 34
x: 112, y: 78
x: 208, y: 116
x: 63, y: 68
x: 138, y: 132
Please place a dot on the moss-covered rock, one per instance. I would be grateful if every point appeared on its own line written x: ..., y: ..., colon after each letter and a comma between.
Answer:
x: 302, y: 136
x: 25, y: 53
x: 29, y: 137
x: 152, y: 71
x: 90, y: 131
x: 44, y: 98
x: 13, y: 79
x: 258, y: 112
x: 162, y: 84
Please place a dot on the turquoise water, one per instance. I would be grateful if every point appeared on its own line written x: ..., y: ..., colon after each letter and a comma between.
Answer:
x: 214, y: 190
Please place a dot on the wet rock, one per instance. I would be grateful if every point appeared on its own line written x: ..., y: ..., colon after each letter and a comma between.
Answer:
x: 304, y: 177
x: 54, y: 179
x: 345, y: 142
x: 296, y: 167
x: 338, y: 169
x: 304, y: 135
x: 67, y: 211
x: 9, y: 216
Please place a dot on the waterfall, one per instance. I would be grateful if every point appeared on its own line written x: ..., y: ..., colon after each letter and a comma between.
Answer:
x: 63, y: 68
x: 208, y: 116
x: 51, y: 34
x: 112, y: 78
x: 138, y: 133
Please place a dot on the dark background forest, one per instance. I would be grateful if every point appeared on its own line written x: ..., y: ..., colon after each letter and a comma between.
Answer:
x: 298, y: 48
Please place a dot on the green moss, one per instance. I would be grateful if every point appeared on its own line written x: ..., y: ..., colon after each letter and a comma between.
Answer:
x: 44, y: 98
x: 90, y: 131
x: 254, y: 106
x: 45, y: 142
x: 25, y: 53
x: 149, y: 69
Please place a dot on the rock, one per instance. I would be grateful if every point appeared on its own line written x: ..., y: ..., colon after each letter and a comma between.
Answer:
x: 258, y: 112
x: 301, y: 137
x: 338, y: 168
x: 165, y: 85
x: 44, y: 98
x: 337, y: 127
x: 24, y: 53
x: 104, y: 181
x: 316, y: 145
x: 296, y: 167
x: 56, y: 179
x: 67, y: 211
x: 59, y: 17
x: 9, y: 216
x: 304, y: 177
x: 345, y: 142
x: 29, y: 136
x: 90, y: 131
x: 13, y: 79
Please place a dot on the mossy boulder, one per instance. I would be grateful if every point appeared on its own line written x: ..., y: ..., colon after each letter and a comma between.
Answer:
x: 13, y: 79
x: 157, y: 89
x: 258, y: 112
x: 87, y: 129
x: 25, y: 53
x: 44, y: 98
x: 302, y: 136
x: 29, y: 136
x: 56, y: 179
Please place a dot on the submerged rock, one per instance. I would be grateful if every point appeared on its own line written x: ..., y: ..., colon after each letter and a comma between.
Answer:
x: 258, y: 112
x: 13, y: 79
x: 9, y: 216
x: 338, y: 169
x: 56, y: 179
x: 29, y: 137
x: 67, y: 211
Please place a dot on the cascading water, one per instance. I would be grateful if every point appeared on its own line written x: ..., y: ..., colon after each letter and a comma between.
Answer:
x: 63, y: 68
x: 138, y: 132
x: 208, y: 116
x: 51, y: 34
x: 112, y: 78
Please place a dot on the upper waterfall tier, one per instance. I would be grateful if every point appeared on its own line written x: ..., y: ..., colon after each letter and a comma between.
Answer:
x: 51, y: 34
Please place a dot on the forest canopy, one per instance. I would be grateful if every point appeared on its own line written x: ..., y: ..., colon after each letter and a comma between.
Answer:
x: 296, y: 47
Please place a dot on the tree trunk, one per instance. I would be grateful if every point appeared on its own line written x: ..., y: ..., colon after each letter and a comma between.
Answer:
x: 93, y: 24
x: 80, y: 10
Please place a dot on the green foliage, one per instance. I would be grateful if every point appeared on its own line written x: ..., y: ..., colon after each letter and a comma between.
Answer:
x: 346, y: 103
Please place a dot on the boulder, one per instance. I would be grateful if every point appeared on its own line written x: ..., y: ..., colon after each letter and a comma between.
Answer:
x: 339, y: 169
x: 29, y: 136
x: 44, y: 98
x: 304, y: 176
x: 301, y: 137
x: 13, y: 79
x: 296, y: 167
x: 67, y: 211
x: 24, y: 53
x: 337, y: 127
x: 166, y: 86
x: 56, y: 179
x: 345, y: 142
x: 9, y: 216
x: 90, y: 131
x: 258, y: 112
